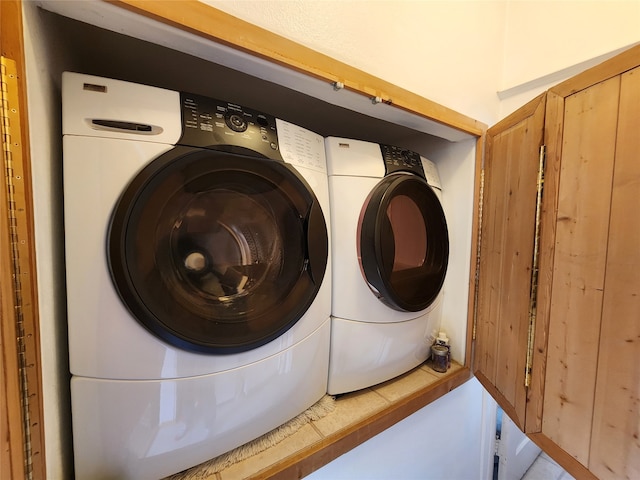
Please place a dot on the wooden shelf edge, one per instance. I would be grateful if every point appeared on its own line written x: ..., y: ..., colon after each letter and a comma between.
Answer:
x: 331, y: 447
x: 499, y: 398
x: 565, y: 460
x: 215, y: 25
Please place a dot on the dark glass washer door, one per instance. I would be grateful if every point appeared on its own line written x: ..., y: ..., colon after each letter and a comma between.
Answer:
x: 215, y: 252
x: 403, y: 242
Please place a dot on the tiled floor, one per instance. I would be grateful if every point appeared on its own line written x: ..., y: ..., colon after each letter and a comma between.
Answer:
x: 544, y: 468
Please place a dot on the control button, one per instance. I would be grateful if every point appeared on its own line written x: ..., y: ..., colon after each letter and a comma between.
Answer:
x: 409, y: 158
x: 274, y: 146
x: 235, y: 122
x: 262, y: 121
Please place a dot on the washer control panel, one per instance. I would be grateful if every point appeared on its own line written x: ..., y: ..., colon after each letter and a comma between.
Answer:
x: 398, y: 159
x: 211, y: 123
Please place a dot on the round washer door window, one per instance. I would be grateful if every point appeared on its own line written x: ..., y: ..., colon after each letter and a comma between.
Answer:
x: 403, y: 242
x: 215, y: 252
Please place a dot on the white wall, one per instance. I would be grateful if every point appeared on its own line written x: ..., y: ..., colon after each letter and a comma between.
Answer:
x: 544, y: 36
x: 445, y: 51
x: 549, y: 41
x: 431, y: 444
x: 46, y: 177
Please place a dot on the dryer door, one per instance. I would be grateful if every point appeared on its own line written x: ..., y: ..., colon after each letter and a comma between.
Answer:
x: 403, y: 243
x: 216, y: 252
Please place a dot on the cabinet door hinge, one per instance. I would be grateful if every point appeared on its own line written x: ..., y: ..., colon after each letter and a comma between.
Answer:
x: 12, y: 163
x: 534, y: 268
x: 479, y: 241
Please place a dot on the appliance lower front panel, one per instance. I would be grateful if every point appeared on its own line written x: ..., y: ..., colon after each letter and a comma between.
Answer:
x: 364, y: 354
x: 151, y: 429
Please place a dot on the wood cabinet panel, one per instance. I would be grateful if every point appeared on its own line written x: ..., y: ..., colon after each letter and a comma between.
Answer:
x: 615, y: 448
x: 511, y: 170
x: 588, y: 147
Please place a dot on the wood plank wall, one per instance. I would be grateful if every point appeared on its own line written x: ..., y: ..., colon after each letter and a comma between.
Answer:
x: 590, y: 120
x: 615, y: 448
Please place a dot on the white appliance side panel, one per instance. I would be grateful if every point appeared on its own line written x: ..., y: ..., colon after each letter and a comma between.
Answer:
x: 87, y: 97
x: 150, y: 429
x: 352, y: 298
x: 365, y: 354
x: 105, y: 341
x: 354, y: 157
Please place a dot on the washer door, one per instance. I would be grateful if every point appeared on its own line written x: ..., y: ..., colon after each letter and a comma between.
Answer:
x: 403, y: 242
x: 215, y: 252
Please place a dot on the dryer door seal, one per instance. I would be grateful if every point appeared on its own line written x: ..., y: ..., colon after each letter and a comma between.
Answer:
x: 211, y: 251
x: 403, y: 242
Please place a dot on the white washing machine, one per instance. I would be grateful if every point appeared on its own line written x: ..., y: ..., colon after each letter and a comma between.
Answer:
x: 198, y: 285
x: 390, y: 251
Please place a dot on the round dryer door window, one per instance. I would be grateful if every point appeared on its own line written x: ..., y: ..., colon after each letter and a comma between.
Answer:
x: 215, y: 252
x: 403, y: 242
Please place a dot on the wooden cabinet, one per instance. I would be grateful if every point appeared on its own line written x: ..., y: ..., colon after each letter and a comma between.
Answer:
x: 576, y: 330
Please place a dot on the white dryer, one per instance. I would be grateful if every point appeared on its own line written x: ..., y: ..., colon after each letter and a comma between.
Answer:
x: 197, y: 280
x: 390, y: 251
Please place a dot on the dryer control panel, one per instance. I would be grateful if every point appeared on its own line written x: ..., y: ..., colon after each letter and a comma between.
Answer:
x: 211, y: 123
x: 398, y: 159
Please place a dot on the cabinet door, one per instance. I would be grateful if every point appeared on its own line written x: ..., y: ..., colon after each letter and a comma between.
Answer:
x: 615, y: 445
x: 592, y: 383
x: 588, y: 137
x: 511, y: 166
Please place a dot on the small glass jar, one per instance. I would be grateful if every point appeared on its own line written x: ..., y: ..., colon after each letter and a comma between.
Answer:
x: 439, y: 358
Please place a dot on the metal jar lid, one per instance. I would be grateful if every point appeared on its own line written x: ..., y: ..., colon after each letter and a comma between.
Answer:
x: 439, y: 350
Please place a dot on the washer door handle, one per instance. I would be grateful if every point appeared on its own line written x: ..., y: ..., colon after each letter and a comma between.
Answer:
x: 124, y: 126
x: 317, y: 243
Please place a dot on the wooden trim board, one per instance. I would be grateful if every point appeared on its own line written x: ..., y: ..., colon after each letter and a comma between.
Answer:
x: 19, y: 320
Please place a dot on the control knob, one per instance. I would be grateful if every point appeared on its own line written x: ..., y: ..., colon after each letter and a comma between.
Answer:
x: 236, y: 122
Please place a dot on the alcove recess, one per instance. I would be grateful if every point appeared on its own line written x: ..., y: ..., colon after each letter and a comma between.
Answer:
x: 204, y: 51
